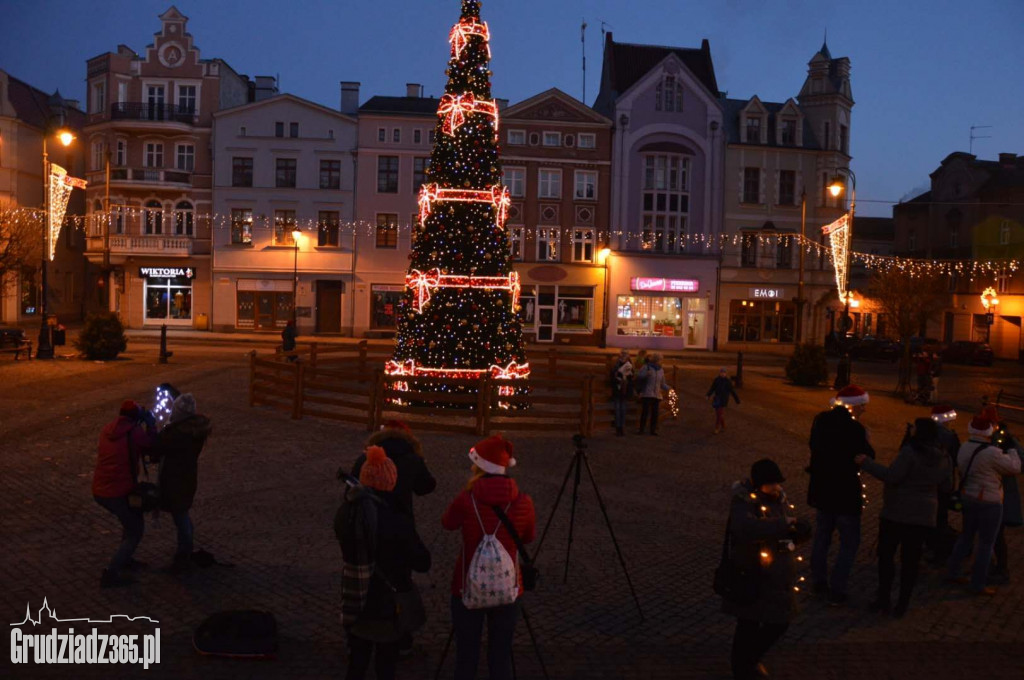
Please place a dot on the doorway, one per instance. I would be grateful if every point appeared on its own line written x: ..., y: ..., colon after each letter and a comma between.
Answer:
x: 328, y: 306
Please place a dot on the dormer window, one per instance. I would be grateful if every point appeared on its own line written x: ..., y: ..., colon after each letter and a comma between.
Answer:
x: 668, y: 96
x: 788, y: 132
x: 753, y: 135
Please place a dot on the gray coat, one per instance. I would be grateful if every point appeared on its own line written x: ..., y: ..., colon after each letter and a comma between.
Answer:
x: 912, y: 483
x: 652, y: 376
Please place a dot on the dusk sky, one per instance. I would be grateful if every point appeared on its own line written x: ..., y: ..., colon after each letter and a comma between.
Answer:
x: 923, y: 71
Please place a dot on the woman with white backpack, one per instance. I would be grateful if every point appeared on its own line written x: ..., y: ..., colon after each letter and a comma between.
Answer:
x: 488, y: 579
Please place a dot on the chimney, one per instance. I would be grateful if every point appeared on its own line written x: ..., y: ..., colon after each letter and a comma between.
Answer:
x: 349, y: 97
x: 414, y: 90
x: 502, y: 103
x: 1008, y: 160
x: 266, y: 87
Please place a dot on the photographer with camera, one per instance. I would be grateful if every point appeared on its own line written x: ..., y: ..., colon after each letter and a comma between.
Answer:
x: 124, y: 444
x: 1012, y: 511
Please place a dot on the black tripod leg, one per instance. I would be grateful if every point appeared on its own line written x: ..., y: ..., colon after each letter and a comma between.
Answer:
x: 444, y: 654
x: 533, y: 639
x: 512, y: 657
x: 611, y: 532
x: 572, y: 515
x: 558, y: 499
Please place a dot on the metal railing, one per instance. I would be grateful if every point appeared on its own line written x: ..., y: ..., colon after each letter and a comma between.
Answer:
x: 156, y: 112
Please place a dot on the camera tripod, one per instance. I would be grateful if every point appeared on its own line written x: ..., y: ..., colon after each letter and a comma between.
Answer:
x: 529, y: 629
x: 579, y: 459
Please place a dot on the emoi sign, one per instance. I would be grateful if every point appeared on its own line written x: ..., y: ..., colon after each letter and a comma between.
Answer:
x: 644, y: 283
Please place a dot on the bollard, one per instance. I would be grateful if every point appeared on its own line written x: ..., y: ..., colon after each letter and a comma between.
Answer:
x: 164, y: 354
x: 738, y: 380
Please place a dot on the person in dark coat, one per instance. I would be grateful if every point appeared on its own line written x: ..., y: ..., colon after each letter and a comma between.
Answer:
x: 621, y: 381
x: 843, y: 369
x: 384, y: 555
x: 941, y: 541
x: 177, y: 450
x: 288, y: 337
x: 913, y: 482
x: 1013, y: 516
x: 123, y: 444
x: 406, y: 452
x: 719, y: 393
x: 763, y: 535
x: 835, y: 489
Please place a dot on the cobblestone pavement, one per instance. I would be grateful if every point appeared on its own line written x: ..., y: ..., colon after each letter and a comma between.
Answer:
x: 267, y: 498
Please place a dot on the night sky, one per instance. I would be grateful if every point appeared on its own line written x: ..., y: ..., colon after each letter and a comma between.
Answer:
x: 923, y: 71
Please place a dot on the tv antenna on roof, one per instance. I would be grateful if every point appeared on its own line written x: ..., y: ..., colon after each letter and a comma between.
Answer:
x: 974, y: 136
x: 603, y: 25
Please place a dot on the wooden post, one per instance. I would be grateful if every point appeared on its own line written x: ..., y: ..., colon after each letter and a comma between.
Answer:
x: 483, y: 405
x: 362, y: 356
x: 252, y: 378
x: 374, y: 399
x: 312, y: 360
x: 300, y: 374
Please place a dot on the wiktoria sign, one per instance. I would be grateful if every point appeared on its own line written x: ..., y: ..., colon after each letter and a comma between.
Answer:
x: 646, y: 283
x: 167, y: 272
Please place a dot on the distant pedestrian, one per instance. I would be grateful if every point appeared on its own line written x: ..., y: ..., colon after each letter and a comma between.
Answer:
x: 123, y: 444
x: 909, y: 507
x: 288, y: 337
x: 380, y: 549
x: 923, y: 369
x: 982, y: 468
x: 406, y: 452
x: 936, y: 373
x: 474, y: 512
x: 719, y: 392
x: 941, y: 541
x: 835, y: 489
x: 650, y: 383
x: 761, y: 537
x: 843, y: 369
x: 641, y: 360
x: 621, y: 381
x: 177, y: 451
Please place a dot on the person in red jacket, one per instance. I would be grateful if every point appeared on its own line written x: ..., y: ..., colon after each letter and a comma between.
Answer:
x: 122, y: 443
x: 472, y: 513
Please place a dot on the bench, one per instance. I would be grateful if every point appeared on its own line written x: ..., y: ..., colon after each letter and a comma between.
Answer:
x: 16, y: 348
x: 1010, y: 402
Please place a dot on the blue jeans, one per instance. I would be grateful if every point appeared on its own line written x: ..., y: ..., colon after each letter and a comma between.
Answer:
x: 185, y: 529
x: 849, y: 540
x: 620, y: 412
x: 469, y: 625
x: 132, y: 527
x: 982, y: 519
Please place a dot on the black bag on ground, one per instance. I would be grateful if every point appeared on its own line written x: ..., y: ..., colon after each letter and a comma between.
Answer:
x: 246, y: 633
x: 732, y: 582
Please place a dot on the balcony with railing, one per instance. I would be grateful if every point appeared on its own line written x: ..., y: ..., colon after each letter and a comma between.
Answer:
x: 153, y: 112
x: 144, y: 175
x: 161, y: 234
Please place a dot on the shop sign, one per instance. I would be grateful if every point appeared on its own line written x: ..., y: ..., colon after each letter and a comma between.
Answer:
x: 767, y: 293
x: 167, y: 272
x: 645, y: 283
x: 387, y: 288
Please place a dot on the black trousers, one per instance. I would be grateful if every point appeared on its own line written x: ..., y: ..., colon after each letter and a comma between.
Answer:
x: 751, y: 642
x: 910, y: 539
x: 1001, y: 566
x: 361, y: 652
x: 649, y: 406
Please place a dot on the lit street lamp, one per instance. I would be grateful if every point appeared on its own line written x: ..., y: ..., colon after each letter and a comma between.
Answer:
x: 990, y: 301
x: 45, y: 347
x: 602, y: 259
x: 295, y: 273
x: 836, y: 188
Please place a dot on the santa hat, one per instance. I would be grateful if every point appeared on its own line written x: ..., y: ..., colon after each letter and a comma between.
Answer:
x: 493, y: 455
x: 851, y: 395
x: 943, y: 413
x: 129, y: 408
x: 981, y: 427
x: 396, y: 425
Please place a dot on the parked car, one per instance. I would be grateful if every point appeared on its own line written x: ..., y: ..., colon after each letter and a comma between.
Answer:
x: 879, y: 349
x: 930, y: 345
x: 968, y: 352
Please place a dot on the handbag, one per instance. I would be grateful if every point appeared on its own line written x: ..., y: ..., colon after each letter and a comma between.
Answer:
x: 527, y: 568
x: 144, y: 496
x: 734, y: 583
x: 955, y: 502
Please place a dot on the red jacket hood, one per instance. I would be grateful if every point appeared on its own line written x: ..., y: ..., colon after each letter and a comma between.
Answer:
x: 119, y: 428
x: 495, y: 490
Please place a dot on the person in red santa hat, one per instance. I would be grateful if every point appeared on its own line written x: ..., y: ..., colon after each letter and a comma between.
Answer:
x: 475, y: 512
x: 835, y: 489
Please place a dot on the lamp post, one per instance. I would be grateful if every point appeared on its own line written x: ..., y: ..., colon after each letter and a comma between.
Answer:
x: 602, y: 259
x: 836, y: 188
x: 800, y: 279
x: 295, y: 273
x: 45, y: 346
x: 990, y: 301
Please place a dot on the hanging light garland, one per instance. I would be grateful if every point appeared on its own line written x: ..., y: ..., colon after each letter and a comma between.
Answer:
x: 839, y: 237
x: 61, y: 186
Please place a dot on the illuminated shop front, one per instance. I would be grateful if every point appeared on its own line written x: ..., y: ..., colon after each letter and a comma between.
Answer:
x: 661, y: 313
x: 167, y: 292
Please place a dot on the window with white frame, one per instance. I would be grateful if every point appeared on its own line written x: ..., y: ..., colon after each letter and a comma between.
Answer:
x: 586, y: 140
x: 666, y: 202
x: 583, y: 245
x: 1003, y: 282
x: 187, y: 98
x: 515, y: 180
x: 549, y: 183
x: 121, y: 155
x: 515, y: 242
x: 586, y: 185
x: 99, y: 97
x: 751, y: 185
x: 122, y: 92
x: 516, y: 137
x: 1004, y: 233
x: 186, y: 157
x: 154, y: 155
x: 117, y: 217
x: 184, y: 219
x: 668, y: 95
x: 154, y: 217
x: 547, y: 244
x: 396, y: 135
x: 97, y: 155
x: 552, y: 139
x: 788, y: 132
x: 753, y: 134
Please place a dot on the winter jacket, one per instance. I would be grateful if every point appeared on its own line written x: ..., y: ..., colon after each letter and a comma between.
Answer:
x: 651, y: 379
x: 721, y: 388
x: 621, y: 380
x: 912, y: 482
x: 1013, y: 515
x: 405, y: 452
x: 835, y: 486
x: 984, y: 482
x: 177, y: 450
x: 288, y: 336
x: 489, y: 490
x: 397, y: 551
x: 758, y: 523
x: 117, y: 463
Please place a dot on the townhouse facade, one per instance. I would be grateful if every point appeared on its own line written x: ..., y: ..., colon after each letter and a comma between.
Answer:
x: 284, y: 195
x: 666, y: 209
x: 556, y: 160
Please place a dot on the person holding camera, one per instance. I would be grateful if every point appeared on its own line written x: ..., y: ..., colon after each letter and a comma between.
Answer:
x: 762, y: 535
x: 406, y: 452
x: 1012, y: 511
x: 650, y: 383
x: 478, y: 513
x: 913, y: 482
x: 123, y: 445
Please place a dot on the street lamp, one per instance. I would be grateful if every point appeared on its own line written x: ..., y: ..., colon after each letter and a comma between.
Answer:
x: 836, y: 188
x: 602, y: 259
x: 800, y: 280
x: 295, y: 272
x: 990, y: 300
x: 45, y: 347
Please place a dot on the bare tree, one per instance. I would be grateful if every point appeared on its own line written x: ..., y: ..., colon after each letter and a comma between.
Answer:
x: 20, y: 242
x: 911, y: 300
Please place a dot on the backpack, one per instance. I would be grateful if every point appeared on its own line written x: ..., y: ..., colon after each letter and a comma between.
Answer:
x: 490, y: 579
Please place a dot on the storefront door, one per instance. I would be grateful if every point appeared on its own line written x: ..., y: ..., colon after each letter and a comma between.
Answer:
x: 328, y: 306
x: 545, y: 324
x: 265, y: 311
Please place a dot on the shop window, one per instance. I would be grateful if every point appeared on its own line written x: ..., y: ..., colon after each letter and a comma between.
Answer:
x: 241, y: 226
x: 264, y: 305
x: 649, y: 316
x: 169, y: 298
x: 328, y: 227
x: 761, y: 321
x: 384, y: 303
x: 574, y: 308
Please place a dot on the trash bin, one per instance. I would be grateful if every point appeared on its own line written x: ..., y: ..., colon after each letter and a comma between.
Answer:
x: 202, y: 321
x: 60, y: 336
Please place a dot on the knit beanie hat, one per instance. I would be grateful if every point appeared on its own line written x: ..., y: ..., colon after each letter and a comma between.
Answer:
x: 943, y: 413
x: 378, y: 471
x: 184, y: 406
x: 981, y: 426
x: 851, y: 395
x: 765, y: 471
x: 128, y: 408
x: 493, y: 455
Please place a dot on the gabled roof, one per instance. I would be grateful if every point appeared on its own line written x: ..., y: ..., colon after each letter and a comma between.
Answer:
x: 279, y: 98
x: 409, y: 106
x: 32, y: 105
x: 732, y: 110
x: 584, y: 112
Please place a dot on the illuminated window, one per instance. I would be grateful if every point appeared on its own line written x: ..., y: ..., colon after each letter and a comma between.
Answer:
x: 284, y: 225
x: 666, y: 202
x: 241, y: 226
x: 547, y: 245
x: 582, y: 245
x: 387, y: 230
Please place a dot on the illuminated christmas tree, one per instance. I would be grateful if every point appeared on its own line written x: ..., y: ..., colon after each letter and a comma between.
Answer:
x: 459, y: 316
